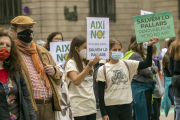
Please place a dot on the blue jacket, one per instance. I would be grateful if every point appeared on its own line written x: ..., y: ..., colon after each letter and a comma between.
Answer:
x: 166, y: 102
x: 139, y: 101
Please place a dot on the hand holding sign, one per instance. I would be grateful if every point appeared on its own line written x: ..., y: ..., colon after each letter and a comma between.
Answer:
x: 95, y: 60
x: 154, y: 40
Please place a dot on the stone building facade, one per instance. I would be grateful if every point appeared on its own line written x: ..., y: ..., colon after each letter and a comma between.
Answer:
x: 49, y: 15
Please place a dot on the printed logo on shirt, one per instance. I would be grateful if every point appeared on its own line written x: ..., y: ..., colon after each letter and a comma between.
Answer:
x: 88, y: 79
x: 119, y: 77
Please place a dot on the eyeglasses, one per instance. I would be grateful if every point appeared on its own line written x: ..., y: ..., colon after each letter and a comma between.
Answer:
x: 57, y: 39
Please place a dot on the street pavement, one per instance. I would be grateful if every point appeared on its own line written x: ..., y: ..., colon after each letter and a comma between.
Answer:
x: 162, y: 117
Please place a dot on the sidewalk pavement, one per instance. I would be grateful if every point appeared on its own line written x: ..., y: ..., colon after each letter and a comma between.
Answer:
x: 162, y: 117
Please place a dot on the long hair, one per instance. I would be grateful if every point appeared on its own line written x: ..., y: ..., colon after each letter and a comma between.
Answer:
x: 136, y: 47
x: 12, y: 63
x: 154, y: 49
x: 175, y: 47
x: 49, y: 39
x: 165, y: 59
x: 113, y: 42
x: 73, y: 54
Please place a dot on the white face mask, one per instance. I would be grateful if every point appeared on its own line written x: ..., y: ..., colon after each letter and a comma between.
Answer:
x: 83, y: 54
x: 145, y: 45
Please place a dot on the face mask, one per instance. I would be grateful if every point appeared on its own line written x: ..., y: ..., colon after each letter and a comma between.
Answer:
x: 25, y: 35
x: 116, y: 55
x: 4, y: 53
x: 145, y: 45
x: 83, y: 54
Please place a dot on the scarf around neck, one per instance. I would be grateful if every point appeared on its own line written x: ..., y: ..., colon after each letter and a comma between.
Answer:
x: 35, y: 59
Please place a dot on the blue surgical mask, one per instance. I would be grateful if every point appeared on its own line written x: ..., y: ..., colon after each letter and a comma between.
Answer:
x: 116, y: 55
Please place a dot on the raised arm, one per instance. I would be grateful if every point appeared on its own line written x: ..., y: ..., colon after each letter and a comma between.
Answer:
x: 148, y: 62
x: 78, y: 78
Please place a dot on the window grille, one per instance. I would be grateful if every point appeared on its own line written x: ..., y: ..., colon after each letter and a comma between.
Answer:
x: 103, y: 8
x: 8, y: 10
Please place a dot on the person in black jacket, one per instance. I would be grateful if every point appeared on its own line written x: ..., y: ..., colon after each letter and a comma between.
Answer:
x: 174, y: 68
x: 15, y: 103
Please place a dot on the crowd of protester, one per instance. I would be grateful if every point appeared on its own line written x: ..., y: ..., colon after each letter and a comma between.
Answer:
x: 135, y: 87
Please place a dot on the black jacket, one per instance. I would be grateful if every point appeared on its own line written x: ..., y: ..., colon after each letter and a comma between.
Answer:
x: 26, y: 109
x: 146, y: 75
x: 174, y: 68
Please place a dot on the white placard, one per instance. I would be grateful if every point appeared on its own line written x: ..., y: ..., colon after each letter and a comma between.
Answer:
x: 59, y: 51
x: 145, y: 12
x: 97, y: 37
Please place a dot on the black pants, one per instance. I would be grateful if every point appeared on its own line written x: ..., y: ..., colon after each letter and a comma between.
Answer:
x: 156, y: 107
x: 87, y: 117
x: 120, y: 112
x: 148, y: 94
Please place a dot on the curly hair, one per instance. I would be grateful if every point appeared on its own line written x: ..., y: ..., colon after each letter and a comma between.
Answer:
x: 49, y: 39
x: 12, y: 63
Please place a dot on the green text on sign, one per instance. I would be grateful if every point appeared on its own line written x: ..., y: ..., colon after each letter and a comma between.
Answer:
x: 98, y: 33
x: 154, y: 25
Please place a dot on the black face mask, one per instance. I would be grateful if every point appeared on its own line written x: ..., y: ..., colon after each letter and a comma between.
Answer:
x: 25, y: 35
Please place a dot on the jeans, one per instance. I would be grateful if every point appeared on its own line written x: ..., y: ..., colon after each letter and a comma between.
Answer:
x: 177, y: 107
x: 120, y: 112
x: 87, y: 117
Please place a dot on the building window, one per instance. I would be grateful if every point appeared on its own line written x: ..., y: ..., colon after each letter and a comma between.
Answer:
x: 9, y: 9
x: 103, y: 8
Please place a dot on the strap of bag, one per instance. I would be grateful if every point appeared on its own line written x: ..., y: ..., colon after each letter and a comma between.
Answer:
x: 129, y: 77
x: 104, y: 70
x: 69, y: 84
x: 127, y: 67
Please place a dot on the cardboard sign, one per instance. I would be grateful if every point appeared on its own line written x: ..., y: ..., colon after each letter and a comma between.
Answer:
x: 143, y: 12
x: 97, y: 37
x: 60, y: 51
x: 154, y: 25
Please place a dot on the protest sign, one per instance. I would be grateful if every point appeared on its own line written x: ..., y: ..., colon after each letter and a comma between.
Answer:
x: 145, y: 12
x: 59, y: 51
x: 154, y: 25
x: 97, y: 37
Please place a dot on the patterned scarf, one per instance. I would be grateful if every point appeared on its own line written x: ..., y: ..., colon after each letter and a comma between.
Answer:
x: 35, y: 59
